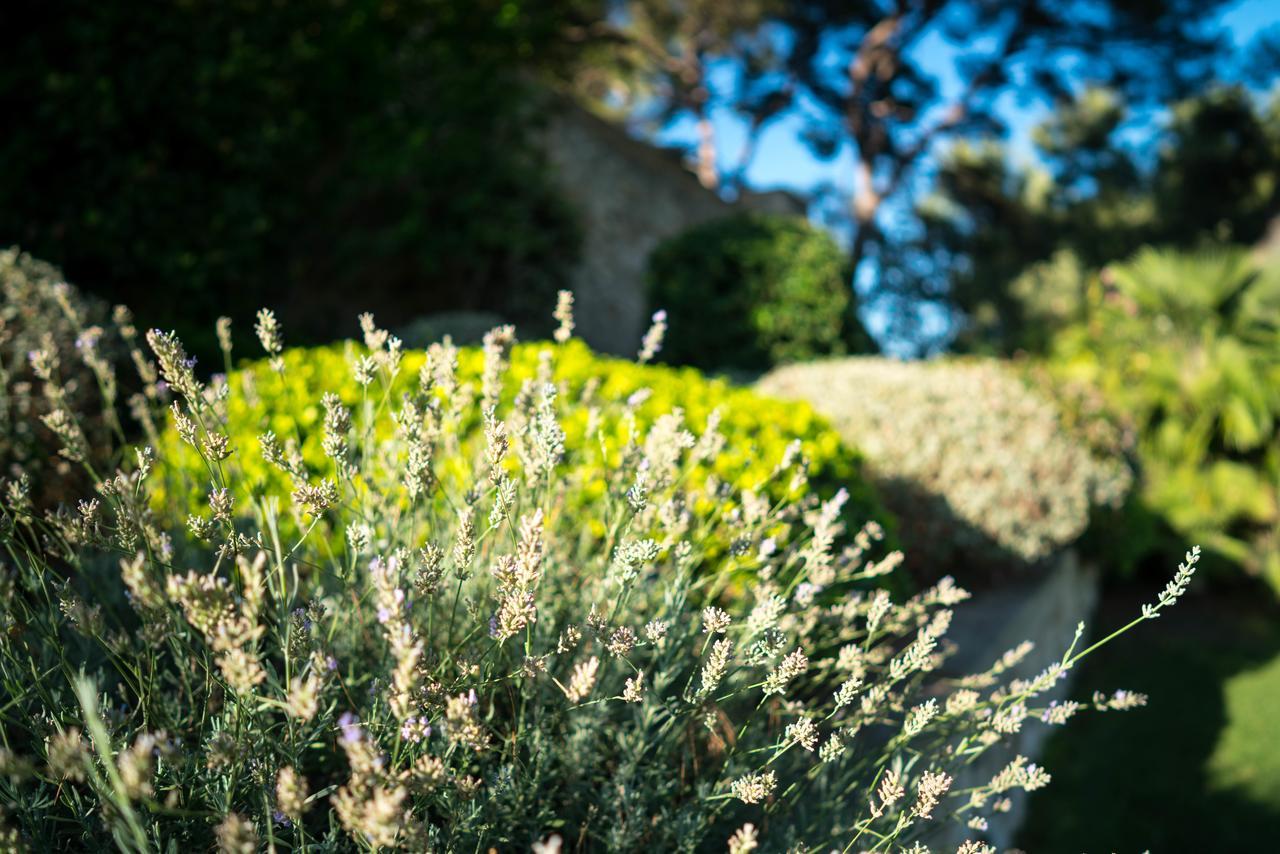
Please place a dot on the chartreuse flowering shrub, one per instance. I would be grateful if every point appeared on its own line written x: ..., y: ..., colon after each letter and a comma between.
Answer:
x: 292, y: 413
x: 486, y: 660
x: 981, y: 468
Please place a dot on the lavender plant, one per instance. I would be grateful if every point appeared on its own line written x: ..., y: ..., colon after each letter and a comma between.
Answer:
x: 478, y: 666
x: 41, y: 315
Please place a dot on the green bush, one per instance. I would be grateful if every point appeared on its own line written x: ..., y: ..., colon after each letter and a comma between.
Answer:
x: 757, y: 430
x: 1185, y: 345
x: 978, y: 466
x: 209, y: 156
x: 486, y: 660
x: 751, y: 291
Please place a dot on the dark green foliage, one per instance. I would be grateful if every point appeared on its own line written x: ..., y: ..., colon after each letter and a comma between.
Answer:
x: 1185, y: 346
x: 751, y: 291
x: 210, y: 157
x: 1210, y: 780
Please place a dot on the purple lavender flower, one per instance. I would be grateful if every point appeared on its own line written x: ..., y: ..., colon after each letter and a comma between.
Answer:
x: 351, y: 729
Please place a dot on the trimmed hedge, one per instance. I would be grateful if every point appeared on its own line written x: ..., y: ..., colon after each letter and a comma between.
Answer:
x: 980, y: 468
x: 751, y: 291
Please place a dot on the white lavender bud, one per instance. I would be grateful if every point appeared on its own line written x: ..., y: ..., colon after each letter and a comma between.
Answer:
x: 1174, y: 589
x: 744, y: 840
x: 790, y: 667
x: 929, y: 790
x: 655, y: 631
x: 564, y: 315
x: 268, y: 331
x: 918, y: 718
x: 633, y: 690
x: 889, y: 792
x: 223, y: 328
x: 803, y: 732
x: 832, y: 749
x: 652, y: 342
x: 754, y: 788
x: 715, y: 621
x: 716, y: 666
x: 583, y: 681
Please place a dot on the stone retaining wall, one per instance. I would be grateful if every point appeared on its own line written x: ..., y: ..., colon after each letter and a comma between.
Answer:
x: 1045, y: 612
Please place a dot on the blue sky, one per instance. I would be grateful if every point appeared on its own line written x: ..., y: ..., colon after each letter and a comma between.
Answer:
x: 782, y: 161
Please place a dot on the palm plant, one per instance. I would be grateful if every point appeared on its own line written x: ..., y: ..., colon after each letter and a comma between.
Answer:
x: 1187, y: 346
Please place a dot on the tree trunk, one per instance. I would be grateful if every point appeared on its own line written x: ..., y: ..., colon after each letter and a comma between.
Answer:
x: 862, y: 238
x: 708, y: 175
x: 866, y: 204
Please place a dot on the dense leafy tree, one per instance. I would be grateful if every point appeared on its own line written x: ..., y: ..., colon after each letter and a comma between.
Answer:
x: 206, y: 157
x: 863, y: 63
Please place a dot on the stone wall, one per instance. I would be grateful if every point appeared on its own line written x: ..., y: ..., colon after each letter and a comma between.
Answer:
x: 1044, y: 612
x: 629, y: 197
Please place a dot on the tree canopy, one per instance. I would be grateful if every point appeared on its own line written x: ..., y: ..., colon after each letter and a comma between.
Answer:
x: 210, y: 157
x: 1214, y: 177
x: 865, y: 82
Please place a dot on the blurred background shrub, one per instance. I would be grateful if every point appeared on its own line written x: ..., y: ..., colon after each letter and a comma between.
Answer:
x: 1186, y: 346
x: 980, y: 469
x: 212, y: 157
x: 753, y: 290
x: 463, y: 327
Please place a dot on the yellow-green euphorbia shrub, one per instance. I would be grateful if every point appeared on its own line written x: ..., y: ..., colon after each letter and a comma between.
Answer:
x: 288, y: 404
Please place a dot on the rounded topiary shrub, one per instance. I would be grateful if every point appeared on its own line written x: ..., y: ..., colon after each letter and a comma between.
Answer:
x: 751, y: 291
x: 983, y: 470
